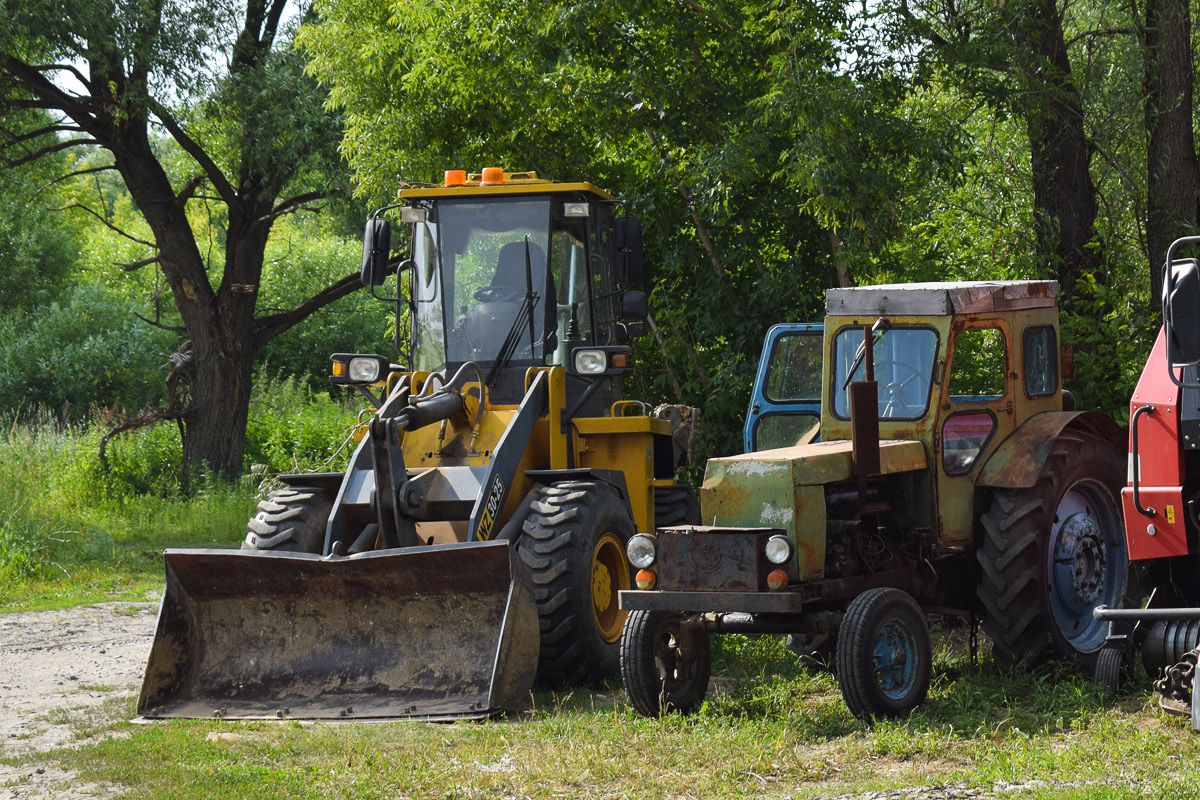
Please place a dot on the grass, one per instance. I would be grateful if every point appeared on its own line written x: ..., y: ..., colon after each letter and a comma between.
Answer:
x: 72, y: 532
x: 776, y: 731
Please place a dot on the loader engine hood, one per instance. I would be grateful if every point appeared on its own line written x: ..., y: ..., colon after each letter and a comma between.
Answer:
x: 785, y: 488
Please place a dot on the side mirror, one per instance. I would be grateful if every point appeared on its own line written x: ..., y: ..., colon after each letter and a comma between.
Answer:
x: 633, y: 305
x: 627, y: 238
x: 377, y: 245
x: 1181, y: 311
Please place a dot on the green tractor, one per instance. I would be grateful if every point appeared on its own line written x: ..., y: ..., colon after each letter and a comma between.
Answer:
x: 950, y: 479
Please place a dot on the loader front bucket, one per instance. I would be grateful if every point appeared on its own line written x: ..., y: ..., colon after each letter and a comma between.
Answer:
x: 429, y: 632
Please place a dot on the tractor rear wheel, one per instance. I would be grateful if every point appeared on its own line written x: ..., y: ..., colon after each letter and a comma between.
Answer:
x: 291, y: 519
x: 1052, y: 553
x: 884, y: 654
x: 665, y: 664
x: 573, y: 542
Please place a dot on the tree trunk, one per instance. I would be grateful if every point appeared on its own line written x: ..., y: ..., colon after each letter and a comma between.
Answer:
x: 1064, y: 196
x: 1172, y: 173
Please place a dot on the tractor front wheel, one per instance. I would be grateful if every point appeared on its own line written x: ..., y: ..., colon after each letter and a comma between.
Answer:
x: 1052, y: 553
x: 291, y: 519
x: 665, y: 662
x: 573, y: 541
x: 884, y: 654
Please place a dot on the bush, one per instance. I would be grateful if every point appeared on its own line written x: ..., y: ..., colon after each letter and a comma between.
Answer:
x: 86, y: 349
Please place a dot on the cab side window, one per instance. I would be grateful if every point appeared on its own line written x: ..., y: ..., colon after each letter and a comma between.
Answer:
x: 979, y: 367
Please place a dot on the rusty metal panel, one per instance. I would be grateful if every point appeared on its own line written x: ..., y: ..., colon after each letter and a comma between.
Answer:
x: 1017, y: 463
x: 940, y: 299
x: 788, y: 602
x: 428, y: 632
x: 714, y: 559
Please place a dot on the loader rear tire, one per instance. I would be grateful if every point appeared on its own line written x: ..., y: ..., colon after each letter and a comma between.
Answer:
x: 664, y: 666
x: 291, y: 520
x: 675, y: 505
x: 1053, y: 552
x: 573, y: 541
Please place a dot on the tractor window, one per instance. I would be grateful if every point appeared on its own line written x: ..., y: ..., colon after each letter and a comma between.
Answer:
x: 495, y: 282
x: 1041, y: 360
x: 904, y: 362
x: 568, y: 263
x: 979, y: 367
x: 785, y: 430
x: 794, y: 371
x: 963, y: 437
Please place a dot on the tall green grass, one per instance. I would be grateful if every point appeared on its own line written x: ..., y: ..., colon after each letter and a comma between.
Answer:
x: 78, y: 528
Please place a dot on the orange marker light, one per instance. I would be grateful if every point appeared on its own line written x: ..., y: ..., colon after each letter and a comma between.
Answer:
x: 777, y: 579
x: 456, y: 177
x: 620, y: 361
x: 492, y: 176
x: 339, y: 368
x: 645, y: 579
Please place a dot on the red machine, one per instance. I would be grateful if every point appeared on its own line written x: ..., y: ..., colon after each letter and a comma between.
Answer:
x: 1161, y: 502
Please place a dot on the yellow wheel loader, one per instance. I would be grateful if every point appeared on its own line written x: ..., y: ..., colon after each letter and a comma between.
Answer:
x: 477, y: 539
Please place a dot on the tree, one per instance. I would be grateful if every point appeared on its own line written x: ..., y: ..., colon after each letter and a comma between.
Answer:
x: 226, y: 87
x: 759, y: 163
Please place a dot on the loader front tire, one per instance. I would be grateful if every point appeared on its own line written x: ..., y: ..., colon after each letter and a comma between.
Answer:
x: 290, y: 520
x: 573, y: 541
x: 675, y: 505
x: 1053, y: 552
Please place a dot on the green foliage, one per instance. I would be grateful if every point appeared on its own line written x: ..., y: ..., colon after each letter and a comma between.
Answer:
x: 83, y: 349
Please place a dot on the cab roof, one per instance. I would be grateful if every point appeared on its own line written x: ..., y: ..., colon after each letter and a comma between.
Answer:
x: 514, y: 183
x: 941, y: 299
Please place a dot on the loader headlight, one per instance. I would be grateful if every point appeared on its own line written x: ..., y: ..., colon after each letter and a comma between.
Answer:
x: 351, y: 368
x: 641, y: 550
x: 591, y: 362
x: 778, y: 549
x: 606, y: 360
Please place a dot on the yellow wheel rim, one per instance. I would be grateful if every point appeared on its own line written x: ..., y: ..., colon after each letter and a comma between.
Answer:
x: 610, y: 574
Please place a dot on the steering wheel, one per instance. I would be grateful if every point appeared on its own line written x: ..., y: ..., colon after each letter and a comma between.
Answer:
x: 498, y: 294
x: 895, y: 405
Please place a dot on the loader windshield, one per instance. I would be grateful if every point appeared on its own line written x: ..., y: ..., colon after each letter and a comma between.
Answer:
x: 499, y: 270
x: 904, y: 362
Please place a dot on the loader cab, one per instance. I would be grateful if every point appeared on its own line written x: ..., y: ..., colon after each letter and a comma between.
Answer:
x: 521, y: 273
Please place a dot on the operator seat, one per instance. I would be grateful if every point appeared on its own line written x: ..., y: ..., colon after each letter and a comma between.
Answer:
x: 497, y: 305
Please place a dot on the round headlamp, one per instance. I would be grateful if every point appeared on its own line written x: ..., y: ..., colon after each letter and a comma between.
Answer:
x: 641, y: 550
x: 778, y: 549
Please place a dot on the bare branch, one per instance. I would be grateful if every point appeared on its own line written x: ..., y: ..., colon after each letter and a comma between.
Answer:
x: 193, y: 149
x: 108, y: 224
x: 75, y: 174
x: 188, y: 190
x: 157, y: 324
x: 45, y: 151
x: 271, y: 326
x: 291, y: 206
x: 1101, y: 33
x: 65, y: 68
x: 40, y: 132
x: 134, y: 266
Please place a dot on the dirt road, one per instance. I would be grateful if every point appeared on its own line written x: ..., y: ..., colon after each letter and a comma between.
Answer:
x: 56, y: 669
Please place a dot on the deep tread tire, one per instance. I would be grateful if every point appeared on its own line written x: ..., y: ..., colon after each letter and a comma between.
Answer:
x: 1110, y: 670
x: 573, y: 542
x: 291, y: 519
x: 659, y: 673
x: 884, y: 654
x: 675, y: 505
x: 1031, y: 611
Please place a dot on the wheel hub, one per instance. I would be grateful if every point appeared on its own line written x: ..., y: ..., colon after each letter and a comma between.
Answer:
x: 894, y: 656
x: 1080, y: 559
x: 601, y: 587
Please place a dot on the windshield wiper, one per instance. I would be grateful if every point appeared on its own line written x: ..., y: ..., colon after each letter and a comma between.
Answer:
x: 524, y: 317
x: 877, y: 330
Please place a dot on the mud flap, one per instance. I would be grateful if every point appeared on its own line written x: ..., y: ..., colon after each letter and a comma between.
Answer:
x: 427, y: 632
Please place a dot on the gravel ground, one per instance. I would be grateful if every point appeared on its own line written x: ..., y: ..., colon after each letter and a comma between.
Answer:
x: 58, y: 667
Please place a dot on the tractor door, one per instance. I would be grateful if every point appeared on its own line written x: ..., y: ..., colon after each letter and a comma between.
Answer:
x: 785, y: 405
x: 975, y: 417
